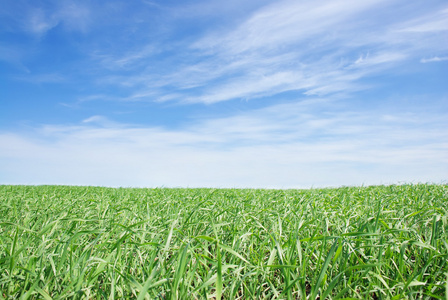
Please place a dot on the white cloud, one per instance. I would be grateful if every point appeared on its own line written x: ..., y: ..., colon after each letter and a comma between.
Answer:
x: 39, y: 19
x: 287, y: 22
x: 378, y: 59
x: 40, y: 23
x: 126, y: 60
x: 319, y: 48
x: 434, y: 22
x: 282, y: 146
x: 434, y: 59
x: 251, y: 87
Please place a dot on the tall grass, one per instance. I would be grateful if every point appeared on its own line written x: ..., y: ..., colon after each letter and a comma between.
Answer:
x: 384, y: 242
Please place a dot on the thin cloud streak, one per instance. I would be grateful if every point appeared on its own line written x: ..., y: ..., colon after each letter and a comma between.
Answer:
x: 433, y: 59
x: 285, y: 23
x: 433, y: 22
x: 42, y: 78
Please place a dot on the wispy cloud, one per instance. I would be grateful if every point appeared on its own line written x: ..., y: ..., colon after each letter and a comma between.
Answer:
x: 285, y: 23
x: 75, y: 16
x: 40, y: 22
x: 435, y: 21
x: 126, y: 60
x: 38, y: 18
x: 433, y: 59
x: 42, y: 78
x: 318, y: 48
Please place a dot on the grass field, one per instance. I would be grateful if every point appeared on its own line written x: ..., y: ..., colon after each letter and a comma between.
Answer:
x: 382, y: 242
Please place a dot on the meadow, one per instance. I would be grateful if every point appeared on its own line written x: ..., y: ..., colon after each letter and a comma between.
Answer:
x: 377, y: 242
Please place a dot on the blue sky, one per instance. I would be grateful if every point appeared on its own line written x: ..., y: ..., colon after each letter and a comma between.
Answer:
x: 262, y: 94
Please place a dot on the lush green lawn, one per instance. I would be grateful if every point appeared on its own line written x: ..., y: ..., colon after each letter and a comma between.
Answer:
x: 92, y: 243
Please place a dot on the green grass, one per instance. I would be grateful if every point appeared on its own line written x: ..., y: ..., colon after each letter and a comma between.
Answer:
x: 384, y: 242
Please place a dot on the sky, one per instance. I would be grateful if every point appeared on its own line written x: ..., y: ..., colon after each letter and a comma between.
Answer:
x: 225, y: 94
